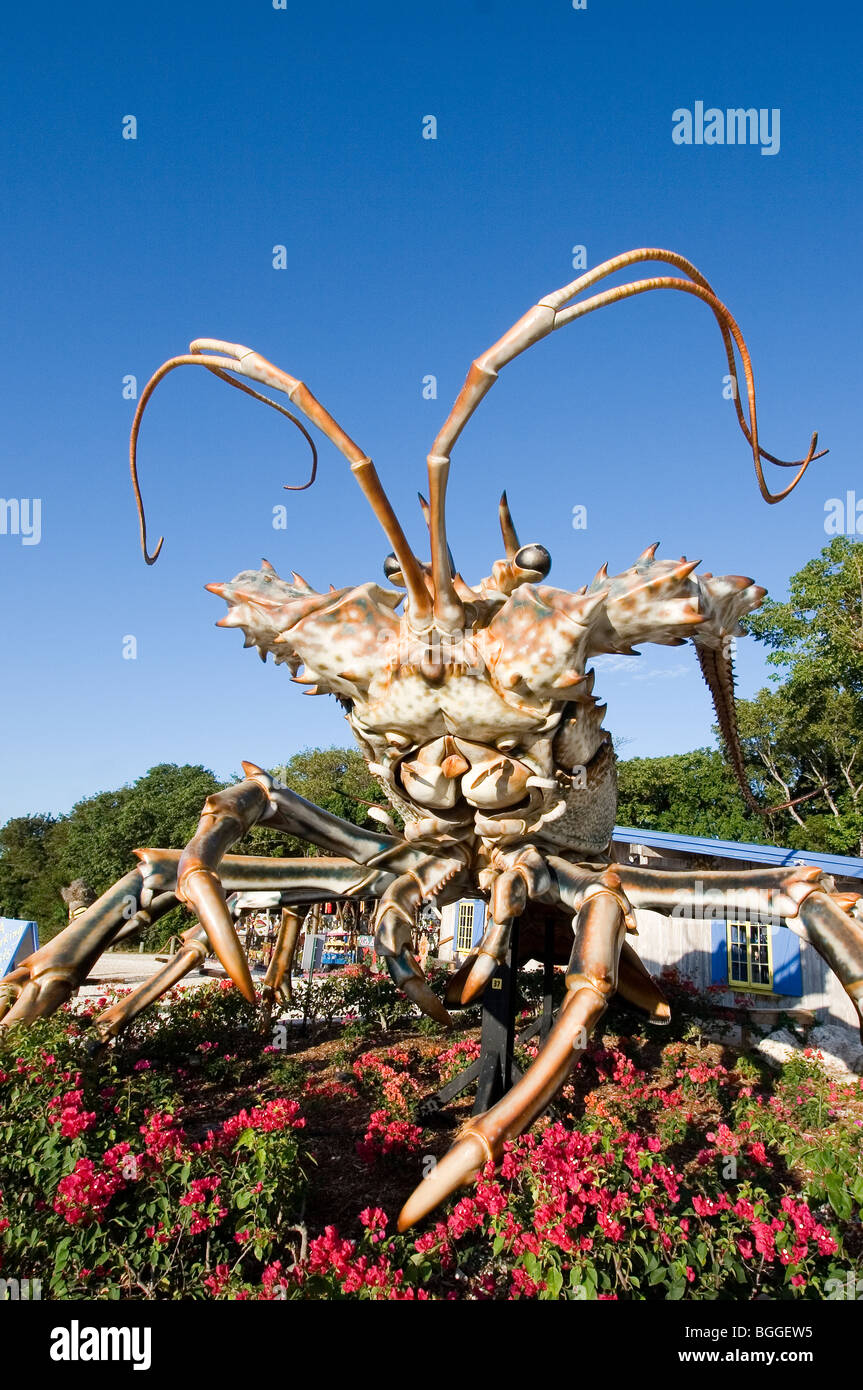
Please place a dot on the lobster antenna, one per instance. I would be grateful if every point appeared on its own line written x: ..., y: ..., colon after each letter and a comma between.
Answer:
x: 507, y: 528
x: 136, y: 425
x: 426, y: 511
x: 245, y: 362
x: 448, y: 608
x: 549, y: 314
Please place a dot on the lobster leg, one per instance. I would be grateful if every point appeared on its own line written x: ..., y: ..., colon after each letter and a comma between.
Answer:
x: 192, y: 953
x: 277, y: 981
x: 307, y: 880
x: 47, y: 978
x: 323, y: 878
x: 509, y: 894
x: 146, y: 916
x: 591, y: 981
x: 226, y: 817
x: 394, y: 926
x: 800, y: 894
x: 471, y: 978
x: 839, y: 940
x: 552, y: 880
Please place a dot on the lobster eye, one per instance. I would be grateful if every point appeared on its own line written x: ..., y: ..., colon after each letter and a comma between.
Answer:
x: 393, y: 570
x: 533, y: 557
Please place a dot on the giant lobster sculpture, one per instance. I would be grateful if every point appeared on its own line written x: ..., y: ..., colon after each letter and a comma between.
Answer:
x: 473, y: 705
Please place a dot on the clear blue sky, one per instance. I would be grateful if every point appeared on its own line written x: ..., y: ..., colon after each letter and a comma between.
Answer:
x: 259, y: 126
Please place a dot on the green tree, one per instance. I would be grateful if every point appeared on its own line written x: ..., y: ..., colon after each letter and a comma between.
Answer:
x: 29, y: 880
x: 96, y: 839
x: 804, y: 734
x: 161, y: 809
x: 801, y: 736
x: 687, y: 793
x: 816, y: 635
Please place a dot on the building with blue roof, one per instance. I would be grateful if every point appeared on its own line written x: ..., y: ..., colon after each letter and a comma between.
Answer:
x: 760, y: 968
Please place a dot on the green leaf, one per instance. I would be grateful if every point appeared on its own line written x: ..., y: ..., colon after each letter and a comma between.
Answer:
x: 839, y: 1198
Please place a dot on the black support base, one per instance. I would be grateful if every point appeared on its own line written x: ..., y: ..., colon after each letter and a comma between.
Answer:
x: 495, y: 1071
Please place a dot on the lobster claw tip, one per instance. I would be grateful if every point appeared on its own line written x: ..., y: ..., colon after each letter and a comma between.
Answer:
x: 457, y: 1167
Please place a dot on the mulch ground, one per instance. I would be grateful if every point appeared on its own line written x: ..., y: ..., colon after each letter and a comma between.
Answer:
x: 343, y: 1184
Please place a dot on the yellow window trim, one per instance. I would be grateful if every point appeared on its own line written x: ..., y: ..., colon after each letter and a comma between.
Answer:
x: 747, y: 986
x: 464, y: 927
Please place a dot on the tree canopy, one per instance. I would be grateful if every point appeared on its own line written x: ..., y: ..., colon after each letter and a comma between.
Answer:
x: 803, y: 734
x: 94, y: 841
x: 800, y: 735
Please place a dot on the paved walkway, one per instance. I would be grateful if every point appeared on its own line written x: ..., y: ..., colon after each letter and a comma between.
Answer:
x: 131, y: 968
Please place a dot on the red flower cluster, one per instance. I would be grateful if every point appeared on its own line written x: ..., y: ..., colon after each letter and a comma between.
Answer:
x: 614, y: 1065
x: 702, y: 1073
x: 397, y: 1088
x: 68, y: 1112
x: 330, y: 1255
x: 328, y: 1090
x: 197, y: 1197
x: 220, y: 1277
x: 163, y: 1136
x: 375, y: 1221
x: 386, y: 1138
x: 83, y: 1195
x: 277, y: 1114
x: 452, y: 1059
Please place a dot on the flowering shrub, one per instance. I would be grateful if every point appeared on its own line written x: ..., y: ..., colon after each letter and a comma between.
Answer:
x: 388, y: 1138
x: 456, y: 1058
x: 180, y: 1165
x: 357, y: 992
x: 608, y: 1210
x: 362, y: 994
x: 108, y: 1192
x: 387, y: 1077
x: 213, y: 1023
x: 574, y: 1216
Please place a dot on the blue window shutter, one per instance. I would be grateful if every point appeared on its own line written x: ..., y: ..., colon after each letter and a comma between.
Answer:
x: 478, y: 920
x: 719, y: 954
x: 787, y: 969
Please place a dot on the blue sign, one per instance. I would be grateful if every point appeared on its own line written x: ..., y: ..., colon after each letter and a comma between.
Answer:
x: 17, y: 940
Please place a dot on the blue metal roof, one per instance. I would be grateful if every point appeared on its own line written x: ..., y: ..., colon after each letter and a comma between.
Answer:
x: 838, y: 864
